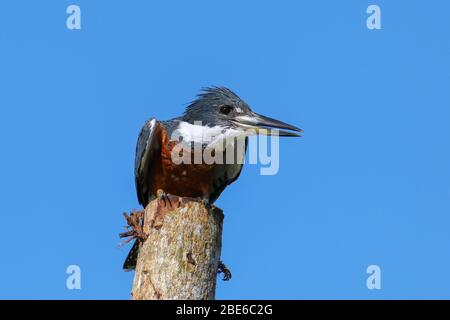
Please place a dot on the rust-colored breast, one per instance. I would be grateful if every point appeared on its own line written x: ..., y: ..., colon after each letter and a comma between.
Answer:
x: 186, y: 180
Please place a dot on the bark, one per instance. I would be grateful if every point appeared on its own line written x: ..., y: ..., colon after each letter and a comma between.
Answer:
x: 180, y: 257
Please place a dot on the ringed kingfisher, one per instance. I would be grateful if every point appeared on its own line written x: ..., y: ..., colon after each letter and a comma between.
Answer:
x: 216, y: 115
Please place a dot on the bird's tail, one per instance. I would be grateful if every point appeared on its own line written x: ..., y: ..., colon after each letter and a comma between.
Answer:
x: 130, y: 261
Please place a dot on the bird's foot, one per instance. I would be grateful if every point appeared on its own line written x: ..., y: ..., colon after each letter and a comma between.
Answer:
x: 165, y: 203
x: 222, y: 268
x: 135, y: 226
x: 164, y: 197
x: 205, y: 202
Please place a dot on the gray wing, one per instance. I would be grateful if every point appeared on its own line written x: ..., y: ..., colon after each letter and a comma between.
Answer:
x: 146, y: 146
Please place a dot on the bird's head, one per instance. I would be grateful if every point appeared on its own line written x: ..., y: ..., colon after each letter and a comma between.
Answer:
x: 218, y: 106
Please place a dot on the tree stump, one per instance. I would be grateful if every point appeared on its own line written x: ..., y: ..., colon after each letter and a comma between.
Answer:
x: 180, y: 257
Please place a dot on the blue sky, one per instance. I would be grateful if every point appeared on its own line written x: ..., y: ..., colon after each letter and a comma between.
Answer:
x: 369, y: 183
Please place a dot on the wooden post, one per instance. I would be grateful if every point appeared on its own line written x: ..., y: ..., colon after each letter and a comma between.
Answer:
x: 180, y: 257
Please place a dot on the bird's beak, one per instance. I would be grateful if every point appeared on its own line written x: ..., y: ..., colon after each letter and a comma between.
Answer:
x: 266, y: 126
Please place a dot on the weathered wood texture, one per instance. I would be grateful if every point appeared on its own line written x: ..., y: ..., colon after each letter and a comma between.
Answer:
x: 179, y: 259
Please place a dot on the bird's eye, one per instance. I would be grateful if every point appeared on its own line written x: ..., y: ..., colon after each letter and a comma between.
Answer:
x: 226, y: 109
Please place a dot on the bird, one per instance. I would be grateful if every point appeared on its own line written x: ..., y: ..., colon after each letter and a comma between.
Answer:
x: 216, y: 119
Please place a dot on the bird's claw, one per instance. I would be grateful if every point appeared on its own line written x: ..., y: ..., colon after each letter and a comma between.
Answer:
x: 222, y: 268
x: 162, y: 196
x: 205, y: 202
